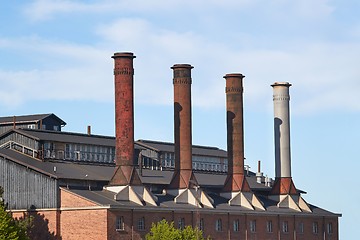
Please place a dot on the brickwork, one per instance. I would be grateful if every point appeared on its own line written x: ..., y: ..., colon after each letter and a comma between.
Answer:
x: 46, y: 223
x: 84, y: 224
x: 70, y: 200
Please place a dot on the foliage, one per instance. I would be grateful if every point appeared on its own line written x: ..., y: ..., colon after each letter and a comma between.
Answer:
x: 165, y: 231
x: 10, y: 229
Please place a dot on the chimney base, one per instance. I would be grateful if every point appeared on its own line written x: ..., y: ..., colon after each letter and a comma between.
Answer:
x: 125, y: 175
x: 183, y: 179
x: 283, y: 186
x: 236, y: 183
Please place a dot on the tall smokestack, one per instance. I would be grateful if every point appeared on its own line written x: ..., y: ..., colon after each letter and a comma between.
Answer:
x: 183, y: 175
x: 283, y: 180
x: 236, y: 180
x: 124, y: 120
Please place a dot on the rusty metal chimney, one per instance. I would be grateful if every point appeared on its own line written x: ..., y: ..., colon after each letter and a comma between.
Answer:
x: 235, y: 180
x: 124, y: 120
x: 283, y: 180
x: 14, y: 122
x: 183, y: 176
x: 89, y: 130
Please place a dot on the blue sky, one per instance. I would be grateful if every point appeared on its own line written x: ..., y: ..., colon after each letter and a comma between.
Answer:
x: 55, y: 56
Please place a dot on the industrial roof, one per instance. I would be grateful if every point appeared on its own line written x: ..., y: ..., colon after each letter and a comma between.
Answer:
x: 96, y: 172
x: 61, y: 170
x: 29, y: 118
x: 166, y: 202
x: 196, y: 150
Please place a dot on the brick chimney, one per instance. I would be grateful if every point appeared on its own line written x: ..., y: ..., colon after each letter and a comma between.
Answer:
x: 236, y: 188
x: 124, y: 120
x: 183, y: 176
x: 235, y: 180
x: 283, y: 181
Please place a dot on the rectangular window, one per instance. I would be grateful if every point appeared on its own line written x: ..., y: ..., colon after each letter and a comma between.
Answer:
x: 218, y: 225
x: 253, y: 226
x: 269, y: 226
x: 301, y: 227
x: 285, y: 227
x: 141, y: 224
x: 315, y: 228
x: 236, y: 225
x: 181, y: 223
x: 120, y: 223
x: 329, y: 228
x: 201, y: 224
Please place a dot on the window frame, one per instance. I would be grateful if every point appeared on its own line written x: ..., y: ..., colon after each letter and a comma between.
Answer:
x: 285, y: 227
x: 252, y: 226
x: 119, y: 224
x: 218, y: 225
x: 315, y: 228
x: 181, y: 223
x: 236, y: 225
x: 269, y: 226
x: 141, y: 224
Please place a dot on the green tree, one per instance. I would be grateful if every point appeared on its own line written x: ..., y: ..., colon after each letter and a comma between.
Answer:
x: 10, y: 229
x: 165, y: 231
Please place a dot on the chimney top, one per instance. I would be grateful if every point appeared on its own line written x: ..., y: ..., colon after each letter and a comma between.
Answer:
x: 124, y: 54
x: 182, y: 66
x: 234, y: 75
x: 281, y: 84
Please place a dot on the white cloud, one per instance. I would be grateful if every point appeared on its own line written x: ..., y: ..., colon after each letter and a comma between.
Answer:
x: 313, y: 68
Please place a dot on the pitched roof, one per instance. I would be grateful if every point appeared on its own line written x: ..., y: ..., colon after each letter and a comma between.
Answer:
x: 170, y: 147
x: 61, y: 170
x: 29, y: 118
x: 166, y: 202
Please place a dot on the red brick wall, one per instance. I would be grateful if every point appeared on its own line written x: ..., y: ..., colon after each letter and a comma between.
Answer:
x: 192, y: 218
x: 46, y: 223
x: 84, y: 224
x: 71, y: 200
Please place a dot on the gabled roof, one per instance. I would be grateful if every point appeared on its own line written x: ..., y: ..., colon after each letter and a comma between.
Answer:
x: 29, y: 118
x: 169, y: 147
x: 61, y: 170
x: 57, y: 136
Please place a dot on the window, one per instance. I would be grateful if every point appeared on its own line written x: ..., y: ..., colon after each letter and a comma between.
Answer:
x: 285, y: 227
x: 218, y: 225
x: 120, y: 223
x: 236, y: 225
x: 56, y: 128
x: 253, y: 226
x: 31, y: 126
x: 301, y: 227
x: 141, y: 224
x: 315, y: 227
x: 329, y: 228
x: 201, y: 224
x: 181, y: 223
x: 269, y: 226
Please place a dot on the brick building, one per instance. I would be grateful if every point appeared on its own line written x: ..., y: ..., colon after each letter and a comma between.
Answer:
x: 99, y: 187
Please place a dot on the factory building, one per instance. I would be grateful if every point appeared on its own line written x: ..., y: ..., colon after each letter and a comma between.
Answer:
x: 100, y: 187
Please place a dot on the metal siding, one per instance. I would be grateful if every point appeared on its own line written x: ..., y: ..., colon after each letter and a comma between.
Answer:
x: 25, y: 188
